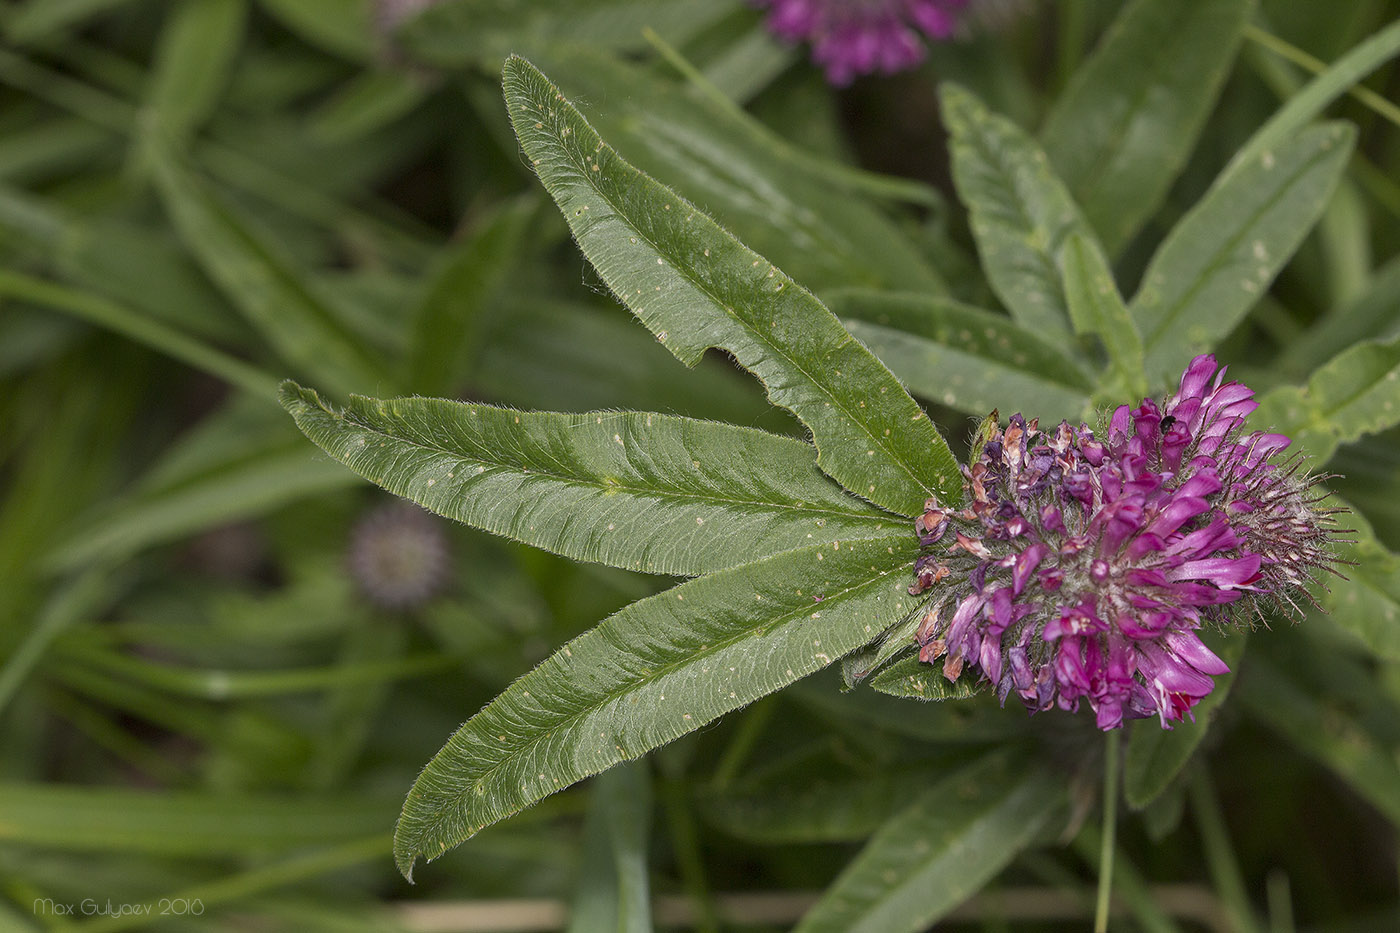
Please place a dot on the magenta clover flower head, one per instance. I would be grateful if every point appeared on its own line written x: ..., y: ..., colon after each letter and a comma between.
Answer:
x: 1090, y: 565
x: 856, y: 37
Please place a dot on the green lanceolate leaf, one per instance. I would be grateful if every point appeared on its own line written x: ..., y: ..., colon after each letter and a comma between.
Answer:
x: 1367, y: 602
x: 948, y: 843
x: 697, y: 287
x: 799, y: 212
x: 196, y: 52
x: 612, y: 887
x: 1095, y: 307
x: 648, y: 492
x: 273, y: 297
x: 965, y: 357
x: 1123, y: 128
x: 1354, y: 394
x: 448, y: 325
x: 815, y: 795
x: 1020, y: 212
x: 1339, y: 77
x: 1222, y: 255
x: 652, y: 672
x: 915, y: 680
x: 1331, y: 732
x: 170, y: 823
x: 1156, y: 755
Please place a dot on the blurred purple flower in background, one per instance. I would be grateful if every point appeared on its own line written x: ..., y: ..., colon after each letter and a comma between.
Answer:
x: 1091, y: 565
x: 855, y: 37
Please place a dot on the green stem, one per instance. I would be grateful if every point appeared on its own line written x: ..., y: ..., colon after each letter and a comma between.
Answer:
x: 1291, y: 53
x: 1110, y: 830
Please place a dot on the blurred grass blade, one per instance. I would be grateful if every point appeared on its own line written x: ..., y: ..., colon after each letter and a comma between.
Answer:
x: 264, y: 286
x: 181, y: 823
x: 341, y: 27
x: 235, y: 465
x: 467, y: 283
x: 193, y: 58
x: 812, y: 796
x: 142, y: 329
x: 1367, y: 603
x: 484, y: 32
x: 1354, y: 394
x: 1020, y: 212
x: 1302, y: 107
x: 1096, y: 308
x: 964, y: 357
x: 696, y: 287
x: 39, y: 19
x: 647, y: 492
x: 773, y: 196
x: 1225, y: 252
x: 655, y: 670
x: 1124, y: 127
x: 612, y: 891
x: 73, y: 603
x: 949, y: 842
x: 224, y: 684
x: 1156, y: 755
x: 368, y: 102
x: 1326, y: 732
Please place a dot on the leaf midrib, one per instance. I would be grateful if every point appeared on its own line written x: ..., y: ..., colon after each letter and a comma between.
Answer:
x: 1223, y: 254
x: 685, y: 272
x: 639, y: 491
x: 570, y: 719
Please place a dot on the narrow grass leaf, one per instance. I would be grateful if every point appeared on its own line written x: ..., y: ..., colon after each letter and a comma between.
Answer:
x: 263, y: 285
x: 964, y: 357
x: 181, y: 823
x: 1324, y: 730
x: 40, y: 19
x: 642, y: 491
x: 193, y: 58
x: 448, y: 324
x: 813, y: 795
x: 1096, y: 307
x: 657, y: 669
x: 1129, y: 118
x: 948, y: 843
x: 484, y: 32
x: 1156, y: 755
x: 697, y: 287
x: 1342, y: 75
x: 1021, y: 214
x: 1354, y: 394
x: 141, y: 328
x: 341, y: 27
x: 613, y: 890
x: 1225, y: 252
x: 235, y: 465
x: 804, y: 214
x: 1367, y: 602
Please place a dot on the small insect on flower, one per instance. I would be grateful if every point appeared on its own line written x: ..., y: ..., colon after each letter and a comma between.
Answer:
x: 855, y: 37
x: 1087, y: 567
